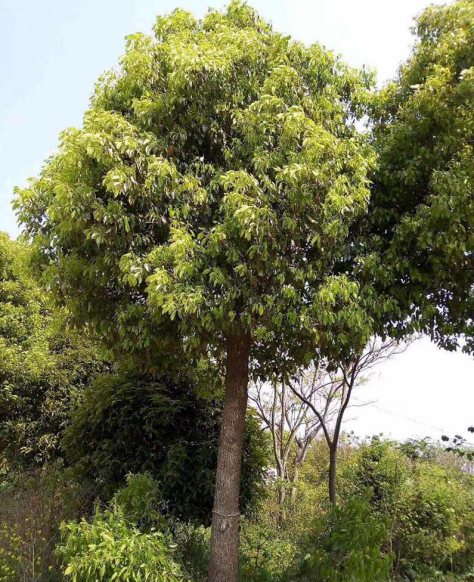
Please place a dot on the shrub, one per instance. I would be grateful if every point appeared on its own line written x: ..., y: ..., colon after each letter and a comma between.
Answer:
x: 194, y: 544
x: 141, y: 502
x: 135, y: 425
x: 346, y: 545
x: 266, y: 556
x: 110, y: 548
x: 429, y: 508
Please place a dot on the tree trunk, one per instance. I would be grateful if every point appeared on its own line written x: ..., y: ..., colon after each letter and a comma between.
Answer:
x: 224, y: 560
x: 332, y: 474
x: 294, y: 481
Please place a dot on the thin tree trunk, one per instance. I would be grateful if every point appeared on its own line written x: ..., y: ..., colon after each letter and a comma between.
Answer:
x: 332, y: 474
x: 300, y: 459
x: 224, y: 560
x: 294, y: 481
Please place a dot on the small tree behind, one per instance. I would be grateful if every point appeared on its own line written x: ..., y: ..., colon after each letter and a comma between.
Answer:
x: 291, y: 421
x: 340, y: 379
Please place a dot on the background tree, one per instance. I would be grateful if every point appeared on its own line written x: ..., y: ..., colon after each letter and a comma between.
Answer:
x: 340, y: 380
x: 43, y: 368
x: 202, y: 207
x: 422, y: 206
x: 291, y: 422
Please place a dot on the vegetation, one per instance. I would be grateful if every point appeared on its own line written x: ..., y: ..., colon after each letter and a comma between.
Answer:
x: 225, y: 223
x: 129, y: 424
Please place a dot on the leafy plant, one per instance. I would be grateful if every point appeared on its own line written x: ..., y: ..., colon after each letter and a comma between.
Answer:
x: 110, y: 548
x: 141, y: 502
x: 266, y: 556
x: 428, y: 506
x: 347, y: 545
x: 43, y: 368
x: 159, y: 426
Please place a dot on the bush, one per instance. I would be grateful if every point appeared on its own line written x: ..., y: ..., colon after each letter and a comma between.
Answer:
x: 160, y: 427
x: 32, y: 507
x: 429, y: 508
x: 110, y: 548
x: 346, y: 545
x: 194, y: 543
x: 141, y: 502
x: 265, y: 555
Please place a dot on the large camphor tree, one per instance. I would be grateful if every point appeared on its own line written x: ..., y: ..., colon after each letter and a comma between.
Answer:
x: 202, y: 208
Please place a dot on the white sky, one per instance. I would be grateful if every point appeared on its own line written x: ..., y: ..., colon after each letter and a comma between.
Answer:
x: 51, y: 53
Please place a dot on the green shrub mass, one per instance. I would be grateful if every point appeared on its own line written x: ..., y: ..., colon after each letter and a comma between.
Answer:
x: 134, y: 424
x: 110, y: 548
x: 399, y: 518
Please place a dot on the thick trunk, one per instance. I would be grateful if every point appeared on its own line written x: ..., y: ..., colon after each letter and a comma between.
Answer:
x: 224, y: 561
x: 332, y: 474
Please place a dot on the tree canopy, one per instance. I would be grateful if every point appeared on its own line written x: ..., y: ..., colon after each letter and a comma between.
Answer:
x: 43, y: 369
x: 211, y: 187
x: 422, y: 208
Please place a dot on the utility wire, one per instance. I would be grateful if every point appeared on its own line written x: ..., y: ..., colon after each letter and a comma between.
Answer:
x: 417, y: 422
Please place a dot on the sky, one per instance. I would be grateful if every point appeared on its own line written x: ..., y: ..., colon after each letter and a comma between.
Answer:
x: 53, y: 51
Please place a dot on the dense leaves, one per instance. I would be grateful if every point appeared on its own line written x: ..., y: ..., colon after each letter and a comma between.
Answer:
x: 43, y: 369
x: 426, y: 499
x: 347, y: 545
x: 211, y: 187
x: 422, y: 205
x: 110, y: 548
x: 134, y: 424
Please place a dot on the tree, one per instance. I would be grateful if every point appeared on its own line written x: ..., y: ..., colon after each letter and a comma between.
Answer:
x: 340, y: 379
x: 201, y: 210
x: 43, y: 368
x: 422, y: 206
x: 291, y: 421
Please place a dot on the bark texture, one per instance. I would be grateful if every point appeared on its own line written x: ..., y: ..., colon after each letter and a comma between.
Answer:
x: 224, y: 560
x: 332, y: 474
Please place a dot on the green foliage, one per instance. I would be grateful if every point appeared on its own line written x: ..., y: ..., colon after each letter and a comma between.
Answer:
x: 422, y: 204
x: 429, y: 508
x: 211, y: 190
x: 141, y: 501
x: 43, y: 369
x: 347, y: 545
x: 194, y: 544
x: 109, y: 548
x: 265, y: 555
x: 129, y: 424
x: 32, y: 506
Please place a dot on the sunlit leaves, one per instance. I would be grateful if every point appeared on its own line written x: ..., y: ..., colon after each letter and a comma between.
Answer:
x: 212, y: 186
x: 423, y: 207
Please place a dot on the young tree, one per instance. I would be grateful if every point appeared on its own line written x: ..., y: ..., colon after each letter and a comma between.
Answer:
x: 291, y: 421
x: 201, y: 210
x: 341, y: 379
